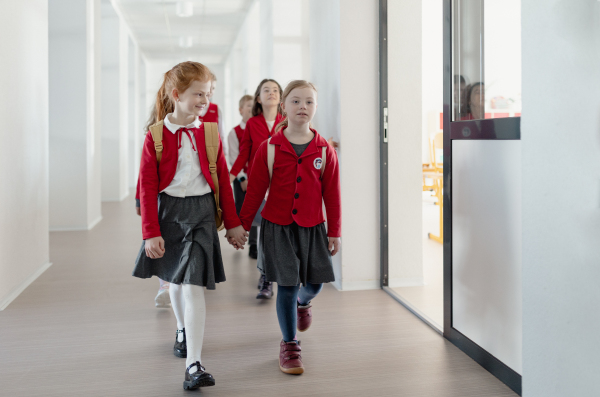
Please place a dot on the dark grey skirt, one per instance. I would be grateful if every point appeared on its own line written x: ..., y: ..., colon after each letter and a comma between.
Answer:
x: 294, y: 254
x: 192, y: 248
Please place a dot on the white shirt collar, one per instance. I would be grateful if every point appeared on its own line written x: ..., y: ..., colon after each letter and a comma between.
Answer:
x: 174, y: 127
x: 243, y: 125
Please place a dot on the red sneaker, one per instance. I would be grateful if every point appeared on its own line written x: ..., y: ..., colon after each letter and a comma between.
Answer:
x: 290, y: 360
x: 304, y: 317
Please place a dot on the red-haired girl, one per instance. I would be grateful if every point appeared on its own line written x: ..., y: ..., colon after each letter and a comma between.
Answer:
x: 301, y: 170
x: 267, y: 114
x: 178, y: 211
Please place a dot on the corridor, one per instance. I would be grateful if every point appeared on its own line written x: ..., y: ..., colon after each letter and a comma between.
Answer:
x: 86, y: 327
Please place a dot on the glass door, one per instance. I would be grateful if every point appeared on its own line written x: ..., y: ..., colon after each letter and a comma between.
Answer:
x: 482, y: 183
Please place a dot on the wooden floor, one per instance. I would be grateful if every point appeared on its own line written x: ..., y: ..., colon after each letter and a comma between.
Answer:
x: 86, y: 327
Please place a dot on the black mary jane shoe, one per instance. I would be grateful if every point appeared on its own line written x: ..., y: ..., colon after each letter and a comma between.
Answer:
x: 180, y: 348
x: 200, y: 378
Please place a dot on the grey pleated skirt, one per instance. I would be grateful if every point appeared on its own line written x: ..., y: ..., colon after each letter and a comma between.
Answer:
x: 192, y: 248
x: 294, y: 255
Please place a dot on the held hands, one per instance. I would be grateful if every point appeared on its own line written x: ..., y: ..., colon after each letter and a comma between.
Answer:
x: 231, y: 178
x: 237, y: 237
x: 244, y: 185
x: 334, y: 245
x: 155, y: 247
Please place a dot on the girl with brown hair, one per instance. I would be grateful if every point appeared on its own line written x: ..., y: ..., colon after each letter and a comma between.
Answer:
x: 267, y: 114
x: 301, y: 172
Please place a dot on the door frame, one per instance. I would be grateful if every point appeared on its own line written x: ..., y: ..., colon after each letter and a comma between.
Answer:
x: 508, y: 128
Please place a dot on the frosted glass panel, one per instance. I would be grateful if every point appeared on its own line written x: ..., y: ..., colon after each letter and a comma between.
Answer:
x: 486, y: 246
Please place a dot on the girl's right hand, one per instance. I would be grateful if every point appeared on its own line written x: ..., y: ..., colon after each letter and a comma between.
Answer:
x: 155, y: 247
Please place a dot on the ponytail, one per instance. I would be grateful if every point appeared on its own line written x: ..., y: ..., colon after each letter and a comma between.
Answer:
x: 164, y: 104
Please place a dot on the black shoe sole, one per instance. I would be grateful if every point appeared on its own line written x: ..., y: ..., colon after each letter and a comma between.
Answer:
x: 261, y: 296
x: 188, y: 385
x: 180, y: 355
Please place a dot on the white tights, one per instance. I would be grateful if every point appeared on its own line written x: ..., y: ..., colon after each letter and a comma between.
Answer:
x: 190, y: 311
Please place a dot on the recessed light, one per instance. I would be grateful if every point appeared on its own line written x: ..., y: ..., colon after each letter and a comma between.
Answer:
x: 184, y: 9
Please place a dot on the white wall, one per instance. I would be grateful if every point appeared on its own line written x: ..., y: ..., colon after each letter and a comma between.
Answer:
x: 359, y: 153
x: 324, y: 45
x: 74, y: 144
x: 561, y: 197
x: 115, y: 105
x: 24, y: 162
x: 405, y: 126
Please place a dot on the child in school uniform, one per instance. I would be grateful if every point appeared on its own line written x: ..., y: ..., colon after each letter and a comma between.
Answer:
x: 301, y: 172
x: 266, y: 113
x: 212, y: 113
x: 180, y: 202
x: 240, y: 183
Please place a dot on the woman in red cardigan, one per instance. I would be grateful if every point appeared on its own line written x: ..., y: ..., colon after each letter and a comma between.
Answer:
x: 267, y: 114
x: 178, y: 211
x: 301, y: 172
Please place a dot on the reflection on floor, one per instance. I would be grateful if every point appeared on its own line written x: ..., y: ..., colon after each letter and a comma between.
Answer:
x: 428, y: 300
x: 86, y: 327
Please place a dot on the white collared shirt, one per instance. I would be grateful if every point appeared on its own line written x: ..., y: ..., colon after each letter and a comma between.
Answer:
x: 188, y: 179
x: 234, y: 148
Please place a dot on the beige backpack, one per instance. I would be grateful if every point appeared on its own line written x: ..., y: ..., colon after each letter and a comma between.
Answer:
x: 211, y: 141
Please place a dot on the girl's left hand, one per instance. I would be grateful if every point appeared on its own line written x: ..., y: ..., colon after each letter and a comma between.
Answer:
x: 334, y: 245
x: 238, y: 236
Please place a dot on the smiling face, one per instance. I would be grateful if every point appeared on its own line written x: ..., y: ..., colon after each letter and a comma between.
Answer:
x: 193, y: 100
x: 269, y: 94
x: 300, y: 105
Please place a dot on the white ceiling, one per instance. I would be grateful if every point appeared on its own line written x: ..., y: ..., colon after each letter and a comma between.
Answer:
x: 156, y: 28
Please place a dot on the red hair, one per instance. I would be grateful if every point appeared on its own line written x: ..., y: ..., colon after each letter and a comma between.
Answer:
x: 180, y: 78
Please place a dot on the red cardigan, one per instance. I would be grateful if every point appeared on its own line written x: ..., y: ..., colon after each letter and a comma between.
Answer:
x: 212, y: 114
x: 256, y: 132
x: 155, y: 178
x: 297, y: 191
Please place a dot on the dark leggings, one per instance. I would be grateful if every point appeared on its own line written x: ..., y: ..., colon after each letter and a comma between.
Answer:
x: 287, y: 300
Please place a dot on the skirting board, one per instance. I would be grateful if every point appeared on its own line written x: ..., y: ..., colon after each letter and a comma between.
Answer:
x: 359, y: 285
x: 77, y: 228
x: 406, y: 282
x: 12, y: 295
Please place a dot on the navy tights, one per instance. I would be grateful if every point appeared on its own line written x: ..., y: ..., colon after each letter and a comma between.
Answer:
x: 286, y: 306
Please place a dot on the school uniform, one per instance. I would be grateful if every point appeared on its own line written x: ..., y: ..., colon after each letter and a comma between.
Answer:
x: 233, y: 140
x: 255, y: 133
x: 293, y: 234
x: 184, y: 212
x: 212, y: 114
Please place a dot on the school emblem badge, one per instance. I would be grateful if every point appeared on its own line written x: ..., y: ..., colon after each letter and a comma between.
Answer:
x: 318, y: 163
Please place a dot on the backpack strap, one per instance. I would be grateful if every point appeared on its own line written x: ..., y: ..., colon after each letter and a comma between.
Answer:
x: 156, y: 130
x: 270, y: 157
x: 211, y: 138
x: 323, y: 158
